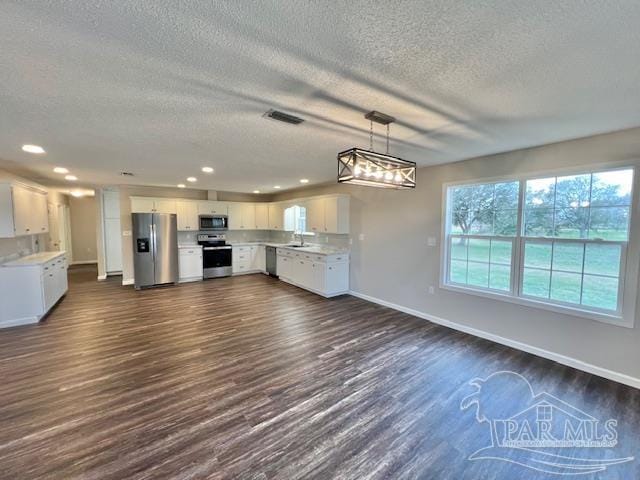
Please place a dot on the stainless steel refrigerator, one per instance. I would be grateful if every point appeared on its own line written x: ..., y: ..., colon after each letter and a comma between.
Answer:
x: 155, y: 249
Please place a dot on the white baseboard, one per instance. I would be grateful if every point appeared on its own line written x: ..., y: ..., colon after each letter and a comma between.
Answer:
x: 18, y: 321
x: 102, y: 277
x: 84, y: 262
x: 128, y: 281
x: 556, y: 357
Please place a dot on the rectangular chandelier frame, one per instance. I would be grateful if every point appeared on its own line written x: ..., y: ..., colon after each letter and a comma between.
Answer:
x: 364, y: 167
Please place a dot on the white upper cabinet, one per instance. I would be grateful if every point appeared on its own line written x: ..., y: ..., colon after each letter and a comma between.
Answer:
x: 187, y: 211
x: 262, y: 216
x: 23, y: 210
x: 153, y: 205
x: 315, y: 215
x: 235, y: 216
x: 242, y: 216
x: 248, y: 216
x: 324, y: 214
x: 336, y: 214
x: 210, y: 207
x: 275, y: 212
x: 328, y: 214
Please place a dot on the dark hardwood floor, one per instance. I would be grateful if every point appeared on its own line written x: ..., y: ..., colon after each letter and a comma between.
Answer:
x: 251, y: 378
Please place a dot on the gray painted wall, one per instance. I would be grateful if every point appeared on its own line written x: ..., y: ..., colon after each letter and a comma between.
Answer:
x: 393, y: 262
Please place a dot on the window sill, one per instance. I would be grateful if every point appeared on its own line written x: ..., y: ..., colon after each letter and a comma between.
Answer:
x: 612, y: 319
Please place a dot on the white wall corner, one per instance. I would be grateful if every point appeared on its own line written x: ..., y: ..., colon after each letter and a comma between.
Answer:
x: 128, y: 281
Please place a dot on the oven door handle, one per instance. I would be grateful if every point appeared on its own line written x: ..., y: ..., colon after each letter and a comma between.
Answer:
x: 217, y: 248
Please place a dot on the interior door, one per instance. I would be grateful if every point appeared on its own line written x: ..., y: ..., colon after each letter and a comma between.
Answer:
x: 165, y: 239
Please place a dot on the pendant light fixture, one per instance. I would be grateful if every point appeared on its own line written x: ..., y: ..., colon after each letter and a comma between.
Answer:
x: 366, y: 167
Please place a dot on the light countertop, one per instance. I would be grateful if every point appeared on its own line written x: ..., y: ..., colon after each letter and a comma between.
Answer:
x: 189, y: 246
x: 32, y: 260
x: 308, y: 248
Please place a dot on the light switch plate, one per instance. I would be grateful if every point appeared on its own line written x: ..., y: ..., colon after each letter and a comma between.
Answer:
x: 361, y: 236
x: 431, y: 241
x: 126, y: 233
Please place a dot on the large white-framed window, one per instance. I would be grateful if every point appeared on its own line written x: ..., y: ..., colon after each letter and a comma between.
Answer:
x: 556, y: 241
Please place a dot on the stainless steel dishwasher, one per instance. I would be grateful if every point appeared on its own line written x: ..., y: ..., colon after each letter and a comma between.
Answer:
x: 272, y: 261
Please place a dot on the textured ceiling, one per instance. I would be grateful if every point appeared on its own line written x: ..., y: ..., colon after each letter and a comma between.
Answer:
x: 163, y: 88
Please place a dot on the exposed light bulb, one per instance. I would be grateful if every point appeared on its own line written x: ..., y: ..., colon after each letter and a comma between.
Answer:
x: 398, y: 177
x: 388, y: 176
x: 357, y: 171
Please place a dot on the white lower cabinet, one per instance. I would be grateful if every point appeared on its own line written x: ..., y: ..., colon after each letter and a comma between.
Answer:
x: 190, y: 264
x: 31, y: 286
x: 248, y: 258
x: 327, y: 275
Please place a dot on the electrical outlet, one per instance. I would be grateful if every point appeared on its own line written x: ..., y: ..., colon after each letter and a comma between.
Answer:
x: 431, y: 290
x: 126, y: 233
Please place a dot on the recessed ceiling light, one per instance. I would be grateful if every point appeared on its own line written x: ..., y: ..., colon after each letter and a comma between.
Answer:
x: 277, y: 187
x: 60, y: 170
x: 72, y: 178
x: 77, y: 193
x: 192, y: 179
x: 207, y: 169
x: 304, y: 180
x: 37, y: 149
x: 181, y: 185
x: 256, y: 191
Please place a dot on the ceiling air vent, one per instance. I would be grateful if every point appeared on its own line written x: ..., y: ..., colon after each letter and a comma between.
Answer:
x: 126, y: 174
x: 283, y: 117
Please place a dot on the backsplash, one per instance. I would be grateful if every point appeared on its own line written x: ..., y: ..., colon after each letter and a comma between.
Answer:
x: 334, y: 240
x: 12, y: 248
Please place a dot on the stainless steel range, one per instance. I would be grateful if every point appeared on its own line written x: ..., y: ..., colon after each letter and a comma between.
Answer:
x: 216, y: 255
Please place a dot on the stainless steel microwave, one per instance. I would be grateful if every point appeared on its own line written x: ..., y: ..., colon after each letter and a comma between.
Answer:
x: 208, y: 223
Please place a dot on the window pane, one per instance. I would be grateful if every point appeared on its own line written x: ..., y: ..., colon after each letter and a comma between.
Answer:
x: 478, y: 274
x: 572, y: 222
x: 500, y: 277
x: 568, y: 256
x: 609, y: 223
x: 611, y: 188
x: 472, y: 209
x: 540, y: 192
x: 458, y: 271
x: 505, y: 222
x: 459, y: 248
x: 573, y: 191
x: 565, y: 287
x: 479, y: 250
x: 602, y: 259
x: 501, y: 252
x: 600, y: 292
x: 538, y: 222
x: 535, y: 283
x: 506, y: 195
x: 537, y: 255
